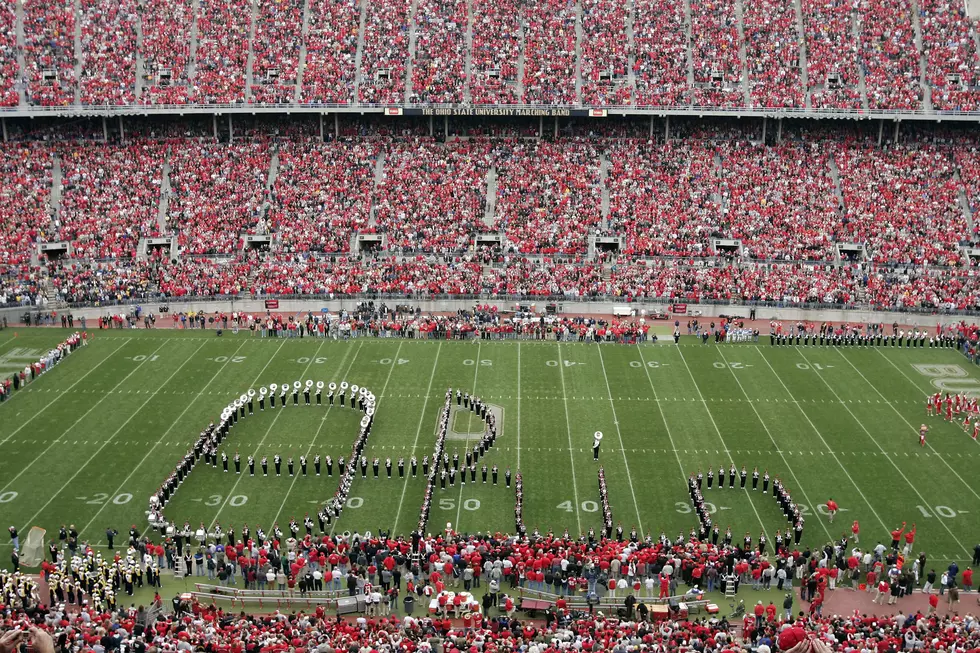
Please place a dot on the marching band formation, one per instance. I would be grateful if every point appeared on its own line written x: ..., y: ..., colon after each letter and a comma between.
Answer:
x: 706, y: 527
x: 607, y: 520
x: 857, y: 335
x: 206, y: 447
x: 446, y: 471
x: 52, y: 357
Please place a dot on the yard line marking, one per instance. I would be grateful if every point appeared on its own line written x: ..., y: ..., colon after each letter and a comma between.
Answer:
x: 418, y: 431
x: 394, y: 361
x: 62, y: 392
x: 773, y: 440
x: 909, y: 424
x: 568, y: 427
x: 469, y: 421
x: 660, y: 409
x: 868, y: 433
x: 825, y: 443
x: 238, y: 480
x: 720, y: 437
x: 112, y: 437
x: 518, y: 405
x: 160, y: 441
x: 320, y: 426
x: 629, y: 476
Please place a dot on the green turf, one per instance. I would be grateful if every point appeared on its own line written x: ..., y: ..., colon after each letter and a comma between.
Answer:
x: 89, y: 442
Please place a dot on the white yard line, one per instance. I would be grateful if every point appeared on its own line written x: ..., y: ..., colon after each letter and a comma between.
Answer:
x: 908, y: 423
x: 571, y: 446
x: 274, y: 419
x: 518, y: 405
x: 320, y: 427
x: 619, y: 433
x: 158, y: 442
x: 673, y: 446
x: 74, y: 424
x: 62, y: 392
x: 117, y: 431
x: 469, y: 422
x: 773, y: 440
x: 377, y: 407
x: 722, y: 440
x: 825, y: 444
x: 418, y: 432
x: 872, y: 438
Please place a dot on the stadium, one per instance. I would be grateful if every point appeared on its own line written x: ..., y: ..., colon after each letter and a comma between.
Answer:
x: 419, y: 325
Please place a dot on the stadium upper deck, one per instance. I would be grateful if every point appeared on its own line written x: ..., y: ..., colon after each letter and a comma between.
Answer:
x: 867, y: 57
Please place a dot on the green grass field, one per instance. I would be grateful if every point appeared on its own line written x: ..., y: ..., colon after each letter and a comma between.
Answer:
x: 90, y: 441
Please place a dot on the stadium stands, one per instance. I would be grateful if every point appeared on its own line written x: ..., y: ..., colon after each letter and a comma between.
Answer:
x: 869, y: 55
x: 736, y: 219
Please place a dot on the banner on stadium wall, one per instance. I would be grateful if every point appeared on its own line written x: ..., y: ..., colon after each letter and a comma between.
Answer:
x: 679, y: 308
x: 496, y: 111
x: 598, y: 113
x: 393, y: 111
x: 271, y: 304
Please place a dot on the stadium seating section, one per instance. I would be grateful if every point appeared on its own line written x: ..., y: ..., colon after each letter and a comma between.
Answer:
x: 791, y: 207
x: 769, y: 54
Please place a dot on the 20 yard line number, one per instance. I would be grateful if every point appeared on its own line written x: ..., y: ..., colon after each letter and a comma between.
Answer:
x: 100, y: 498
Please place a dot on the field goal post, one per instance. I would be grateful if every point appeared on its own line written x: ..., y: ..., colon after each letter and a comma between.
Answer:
x: 32, y: 553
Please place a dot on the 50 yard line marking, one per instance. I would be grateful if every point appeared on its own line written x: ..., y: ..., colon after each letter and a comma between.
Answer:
x: 469, y: 421
x: 319, y: 428
x: 871, y: 437
x: 568, y: 427
x: 629, y: 476
x: 720, y: 437
x: 165, y: 434
x: 418, y: 431
x: 66, y: 390
x: 820, y: 435
x: 377, y: 408
x: 117, y: 431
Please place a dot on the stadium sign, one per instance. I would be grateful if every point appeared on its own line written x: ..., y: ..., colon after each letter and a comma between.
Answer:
x: 506, y: 112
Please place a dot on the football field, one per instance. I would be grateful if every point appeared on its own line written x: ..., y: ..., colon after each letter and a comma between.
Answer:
x: 88, y: 442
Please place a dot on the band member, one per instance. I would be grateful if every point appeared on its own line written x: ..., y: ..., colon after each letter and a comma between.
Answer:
x: 755, y: 479
x: 425, y: 465
x: 442, y: 479
x: 401, y: 468
x: 316, y: 464
x: 595, y: 445
x: 507, y: 476
x: 251, y: 466
x: 289, y: 465
x: 744, y: 476
x: 388, y: 466
x: 731, y: 477
x: 329, y: 462
x: 319, y: 393
x: 364, y: 465
x: 484, y: 472
x: 721, y: 477
x: 711, y: 478
x: 277, y: 461
x: 238, y: 463
x: 224, y: 461
x: 765, y: 482
x: 302, y: 464
x: 415, y: 466
x: 262, y: 400
x: 306, y: 395
x: 265, y: 466
x: 308, y: 524
x: 375, y: 464
x: 493, y: 474
x: 295, y: 396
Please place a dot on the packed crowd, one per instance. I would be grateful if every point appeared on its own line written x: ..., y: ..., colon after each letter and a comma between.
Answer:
x: 559, y: 565
x: 752, y: 57
x: 831, y: 54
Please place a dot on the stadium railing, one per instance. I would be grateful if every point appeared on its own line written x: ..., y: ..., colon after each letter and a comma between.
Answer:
x: 284, y: 598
